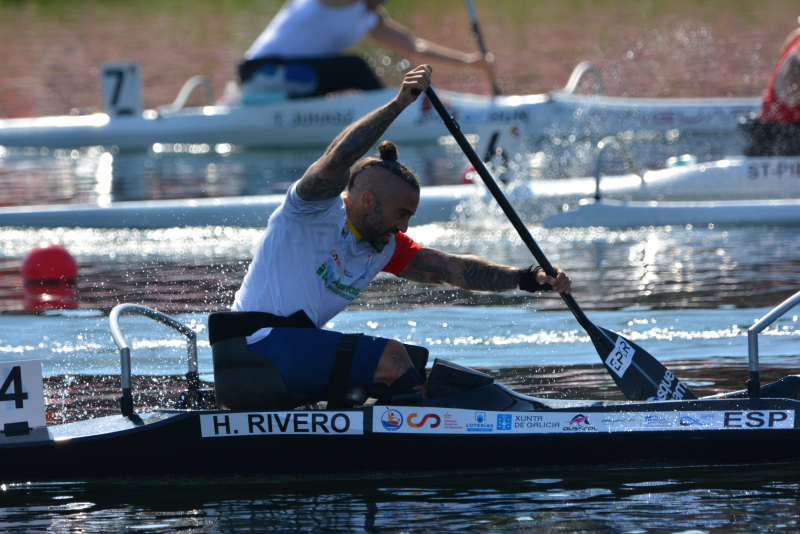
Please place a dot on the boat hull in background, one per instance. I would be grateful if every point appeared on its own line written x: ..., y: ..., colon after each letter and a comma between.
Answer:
x: 314, y: 122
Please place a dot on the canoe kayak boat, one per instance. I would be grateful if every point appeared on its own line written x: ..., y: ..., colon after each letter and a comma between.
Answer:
x: 314, y: 122
x: 735, y: 190
x: 468, y: 423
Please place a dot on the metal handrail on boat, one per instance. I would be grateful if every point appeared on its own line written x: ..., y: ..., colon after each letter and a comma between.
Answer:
x: 578, y: 73
x: 186, y: 91
x: 602, y: 145
x: 192, y: 377
x: 754, y: 384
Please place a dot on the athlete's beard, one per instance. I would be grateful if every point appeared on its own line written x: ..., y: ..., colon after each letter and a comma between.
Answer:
x: 374, y: 231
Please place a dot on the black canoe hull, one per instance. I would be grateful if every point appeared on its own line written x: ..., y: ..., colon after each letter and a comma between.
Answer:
x: 176, y: 446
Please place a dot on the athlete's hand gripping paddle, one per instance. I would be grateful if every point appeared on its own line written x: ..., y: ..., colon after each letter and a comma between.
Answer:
x: 638, y: 374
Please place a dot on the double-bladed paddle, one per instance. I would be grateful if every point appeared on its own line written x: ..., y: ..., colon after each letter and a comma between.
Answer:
x: 638, y: 374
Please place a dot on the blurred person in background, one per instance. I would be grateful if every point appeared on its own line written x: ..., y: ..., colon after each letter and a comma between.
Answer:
x: 776, y: 129
x: 301, y: 52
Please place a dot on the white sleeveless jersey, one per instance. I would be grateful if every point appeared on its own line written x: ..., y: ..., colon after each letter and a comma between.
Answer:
x: 309, y: 259
x: 310, y: 29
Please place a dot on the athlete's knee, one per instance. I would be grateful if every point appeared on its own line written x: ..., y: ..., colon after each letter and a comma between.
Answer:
x: 393, y: 364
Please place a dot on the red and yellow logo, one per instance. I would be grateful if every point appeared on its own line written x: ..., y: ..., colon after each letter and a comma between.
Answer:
x: 436, y: 420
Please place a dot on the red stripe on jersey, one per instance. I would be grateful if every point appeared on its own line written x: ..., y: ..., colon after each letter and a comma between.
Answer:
x: 404, y: 250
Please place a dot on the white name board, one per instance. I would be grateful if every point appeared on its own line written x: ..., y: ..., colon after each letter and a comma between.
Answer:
x: 317, y: 423
x: 121, y: 93
x: 406, y: 420
x: 22, y: 393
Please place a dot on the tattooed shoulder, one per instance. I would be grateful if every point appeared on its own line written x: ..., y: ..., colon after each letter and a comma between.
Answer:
x: 315, y: 185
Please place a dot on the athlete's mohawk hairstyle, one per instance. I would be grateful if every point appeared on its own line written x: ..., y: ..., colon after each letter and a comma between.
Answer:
x: 387, y: 152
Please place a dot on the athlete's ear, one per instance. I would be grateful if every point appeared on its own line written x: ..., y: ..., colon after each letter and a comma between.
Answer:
x: 368, y: 202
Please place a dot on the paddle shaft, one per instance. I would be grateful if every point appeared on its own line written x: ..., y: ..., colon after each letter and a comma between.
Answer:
x: 476, y: 29
x: 520, y: 227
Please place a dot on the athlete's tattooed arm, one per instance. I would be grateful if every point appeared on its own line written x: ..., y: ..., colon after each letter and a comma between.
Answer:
x: 431, y: 266
x: 328, y: 176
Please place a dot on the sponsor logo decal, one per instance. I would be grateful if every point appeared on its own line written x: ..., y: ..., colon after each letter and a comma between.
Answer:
x: 620, y: 358
x: 533, y: 422
x: 337, y: 287
x: 271, y: 423
x: 325, y: 272
x: 515, y: 115
x: 670, y: 387
x: 673, y: 118
x: 657, y: 421
x: 504, y: 421
x: 457, y: 421
x: 345, y: 230
x: 480, y: 424
x: 782, y: 169
x: 579, y: 420
x: 451, y: 422
x: 688, y: 420
x: 391, y: 420
x: 340, y: 289
x: 335, y: 117
x: 435, y: 420
x: 579, y: 423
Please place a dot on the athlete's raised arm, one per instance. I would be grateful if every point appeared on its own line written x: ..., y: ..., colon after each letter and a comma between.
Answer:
x: 431, y: 266
x: 328, y: 176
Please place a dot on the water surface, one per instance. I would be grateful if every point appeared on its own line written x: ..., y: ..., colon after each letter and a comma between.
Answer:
x: 686, y: 294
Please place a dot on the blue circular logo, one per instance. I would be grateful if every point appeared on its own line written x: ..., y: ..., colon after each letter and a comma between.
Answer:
x: 391, y: 420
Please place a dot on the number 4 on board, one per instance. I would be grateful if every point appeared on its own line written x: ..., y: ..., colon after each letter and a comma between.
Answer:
x: 14, y: 379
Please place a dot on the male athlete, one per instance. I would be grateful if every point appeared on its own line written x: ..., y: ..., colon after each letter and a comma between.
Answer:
x: 322, y: 247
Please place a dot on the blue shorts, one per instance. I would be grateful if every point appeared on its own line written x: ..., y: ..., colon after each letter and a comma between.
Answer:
x: 305, y: 356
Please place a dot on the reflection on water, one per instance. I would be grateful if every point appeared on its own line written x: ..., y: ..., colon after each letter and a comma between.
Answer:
x: 78, y: 342
x: 199, y: 269
x: 97, y: 174
x: 763, y: 499
x: 32, y: 176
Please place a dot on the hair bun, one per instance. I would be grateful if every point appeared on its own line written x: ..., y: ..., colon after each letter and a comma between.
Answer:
x: 387, y: 151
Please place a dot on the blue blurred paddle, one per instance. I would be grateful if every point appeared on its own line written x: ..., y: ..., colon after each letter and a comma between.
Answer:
x: 638, y: 374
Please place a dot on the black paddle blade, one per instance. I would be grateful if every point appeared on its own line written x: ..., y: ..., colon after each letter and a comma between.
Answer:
x: 638, y: 374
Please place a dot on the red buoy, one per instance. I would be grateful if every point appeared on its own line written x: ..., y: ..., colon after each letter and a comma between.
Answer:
x: 467, y: 175
x: 49, y: 275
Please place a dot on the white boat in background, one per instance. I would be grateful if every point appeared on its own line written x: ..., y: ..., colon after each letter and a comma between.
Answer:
x: 623, y: 214
x: 733, y: 191
x: 734, y: 178
x: 436, y: 204
x: 767, y: 189
x: 314, y: 122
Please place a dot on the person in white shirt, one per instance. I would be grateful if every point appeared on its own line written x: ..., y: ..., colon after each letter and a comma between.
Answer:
x: 322, y: 247
x: 300, y: 52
